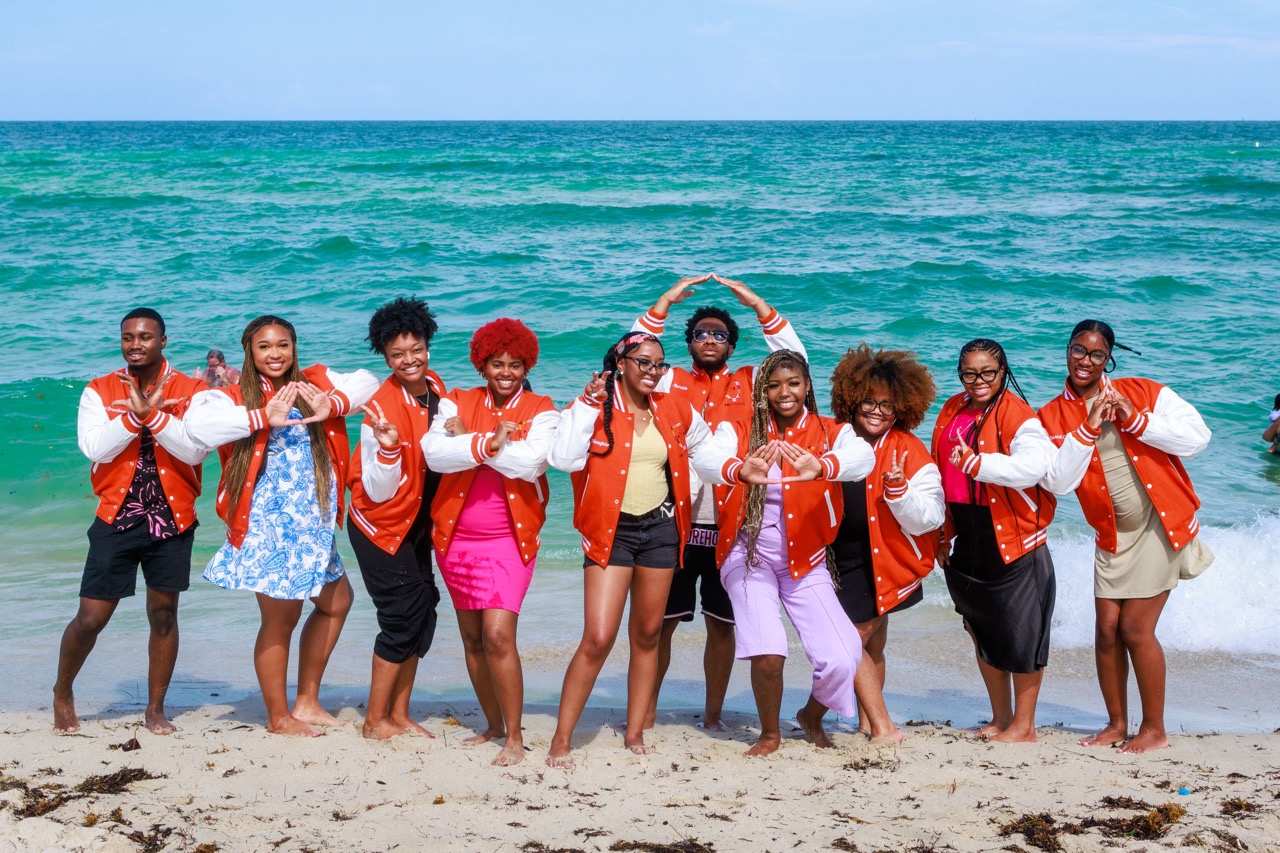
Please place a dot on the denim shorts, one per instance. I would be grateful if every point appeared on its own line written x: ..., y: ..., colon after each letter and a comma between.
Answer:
x: 651, y: 540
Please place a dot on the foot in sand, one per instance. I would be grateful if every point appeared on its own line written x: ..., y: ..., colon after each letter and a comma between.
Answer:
x: 1146, y: 740
x: 894, y: 736
x: 292, y: 726
x: 639, y: 748
x: 158, y: 724
x: 987, y: 731
x: 1112, y: 735
x: 413, y: 728
x: 316, y: 716
x: 486, y: 736
x: 382, y: 730
x: 512, y: 753
x: 1015, y: 735
x: 64, y: 715
x: 559, y: 758
x: 813, y: 730
x: 714, y: 724
x: 767, y: 745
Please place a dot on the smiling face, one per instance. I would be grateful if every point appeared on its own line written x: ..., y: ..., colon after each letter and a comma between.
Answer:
x: 710, y: 354
x: 504, y: 373
x: 786, y: 392
x: 406, y: 354
x: 875, y: 423
x: 273, y: 353
x: 1082, y: 373
x: 982, y: 376
x: 141, y: 343
x: 635, y: 379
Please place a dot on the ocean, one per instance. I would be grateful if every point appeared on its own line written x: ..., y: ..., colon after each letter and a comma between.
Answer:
x: 916, y: 235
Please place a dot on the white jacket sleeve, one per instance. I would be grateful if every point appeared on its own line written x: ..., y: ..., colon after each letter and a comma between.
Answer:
x: 213, y: 419
x: 380, y: 472
x: 526, y: 459
x: 572, y: 441
x: 357, y: 388
x: 1030, y: 454
x: 445, y: 453
x: 849, y: 459
x: 1070, y: 462
x: 922, y: 508
x: 780, y: 334
x: 101, y: 438
x: 709, y: 451
x: 171, y: 433
x: 1173, y: 425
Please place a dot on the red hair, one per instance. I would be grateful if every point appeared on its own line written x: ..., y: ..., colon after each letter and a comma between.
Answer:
x: 504, y: 335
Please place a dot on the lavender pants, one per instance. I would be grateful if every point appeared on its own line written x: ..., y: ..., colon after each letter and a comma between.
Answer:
x: 830, y: 641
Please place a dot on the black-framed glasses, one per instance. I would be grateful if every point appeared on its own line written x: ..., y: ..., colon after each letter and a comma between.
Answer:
x: 969, y: 377
x: 1097, y: 356
x: 718, y: 335
x: 647, y: 366
x: 868, y: 406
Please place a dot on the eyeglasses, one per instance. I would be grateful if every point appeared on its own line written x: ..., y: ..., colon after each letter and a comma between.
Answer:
x: 1097, y: 356
x: 647, y: 366
x: 716, y: 335
x: 868, y: 406
x: 969, y: 377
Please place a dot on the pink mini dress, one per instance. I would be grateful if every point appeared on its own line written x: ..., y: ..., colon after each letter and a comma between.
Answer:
x: 483, y: 569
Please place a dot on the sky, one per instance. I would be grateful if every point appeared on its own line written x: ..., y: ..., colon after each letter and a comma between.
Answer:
x: 640, y: 59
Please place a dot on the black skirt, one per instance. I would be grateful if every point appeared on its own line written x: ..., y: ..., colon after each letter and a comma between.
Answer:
x: 852, y: 550
x: 1007, y: 607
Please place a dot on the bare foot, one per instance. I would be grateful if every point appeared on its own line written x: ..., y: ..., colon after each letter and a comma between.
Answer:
x: 987, y: 731
x: 893, y: 737
x: 512, y: 753
x: 767, y: 745
x: 316, y: 716
x: 382, y: 730
x: 559, y: 758
x: 813, y: 730
x: 640, y: 748
x: 1112, y: 735
x: 714, y: 724
x: 292, y: 726
x: 1146, y: 741
x: 158, y: 724
x: 486, y: 736
x: 412, y: 728
x: 1015, y: 735
x: 64, y: 715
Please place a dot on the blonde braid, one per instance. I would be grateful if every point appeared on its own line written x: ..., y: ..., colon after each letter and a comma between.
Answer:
x: 753, y: 506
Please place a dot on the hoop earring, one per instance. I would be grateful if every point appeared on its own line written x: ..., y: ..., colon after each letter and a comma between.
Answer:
x: 1111, y: 364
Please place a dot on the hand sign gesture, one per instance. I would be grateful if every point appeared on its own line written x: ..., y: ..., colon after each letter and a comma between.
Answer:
x: 320, y: 402
x: 143, y: 407
x: 806, y: 464
x: 680, y: 291
x: 895, y: 476
x: 1121, y: 408
x: 454, y: 426
x: 383, y: 430
x: 1103, y: 409
x: 961, y: 449
x: 595, y: 388
x: 277, y: 410
x: 745, y: 295
x: 757, y: 464
x: 501, y: 434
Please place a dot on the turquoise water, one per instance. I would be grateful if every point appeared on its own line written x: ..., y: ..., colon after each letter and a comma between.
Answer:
x: 921, y: 235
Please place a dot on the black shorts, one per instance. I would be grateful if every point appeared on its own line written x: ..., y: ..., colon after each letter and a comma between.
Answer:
x: 651, y: 540
x: 111, y: 569
x: 699, y: 565
x: 403, y: 590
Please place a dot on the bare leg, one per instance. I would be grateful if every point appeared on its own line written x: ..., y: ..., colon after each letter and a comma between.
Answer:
x: 319, y: 636
x: 810, y: 719
x: 1138, y: 618
x: 472, y: 627
x: 717, y: 666
x: 162, y: 654
x: 873, y: 714
x: 664, y: 661
x: 78, y: 639
x: 377, y: 719
x: 271, y: 662
x: 401, y: 693
x: 999, y: 691
x: 508, y: 680
x: 649, y: 590
x: 1113, y: 673
x: 604, y: 593
x: 1026, y: 690
x: 766, y: 684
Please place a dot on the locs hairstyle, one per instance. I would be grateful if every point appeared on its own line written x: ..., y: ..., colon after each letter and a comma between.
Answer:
x: 626, y: 345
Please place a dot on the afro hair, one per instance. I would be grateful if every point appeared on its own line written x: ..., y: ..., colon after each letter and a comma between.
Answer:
x: 908, y: 382
x: 504, y: 335
x: 400, y: 317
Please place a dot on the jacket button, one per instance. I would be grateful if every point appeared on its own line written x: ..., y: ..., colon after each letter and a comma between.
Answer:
x: 1002, y: 546
x: 873, y: 518
x: 162, y: 471
x: 870, y: 487
x: 623, y: 471
x: 999, y: 527
x: 511, y: 497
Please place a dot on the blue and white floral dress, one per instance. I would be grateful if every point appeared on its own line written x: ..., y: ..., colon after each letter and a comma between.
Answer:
x: 289, y: 551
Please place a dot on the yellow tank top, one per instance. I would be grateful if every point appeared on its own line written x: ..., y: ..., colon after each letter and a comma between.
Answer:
x: 646, y: 488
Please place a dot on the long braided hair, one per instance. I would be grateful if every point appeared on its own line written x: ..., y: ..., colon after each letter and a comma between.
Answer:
x: 626, y: 345
x: 753, y: 515
x: 1007, y: 381
x: 237, y: 465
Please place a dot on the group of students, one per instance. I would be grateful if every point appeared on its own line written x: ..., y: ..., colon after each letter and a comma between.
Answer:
x: 725, y: 479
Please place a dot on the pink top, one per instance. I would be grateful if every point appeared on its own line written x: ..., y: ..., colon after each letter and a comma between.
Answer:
x: 956, y: 483
x: 485, y: 513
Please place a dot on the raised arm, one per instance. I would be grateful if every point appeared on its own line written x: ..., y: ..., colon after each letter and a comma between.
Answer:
x: 1030, y: 454
x: 101, y: 438
x: 351, y: 390
x: 917, y: 504
x: 526, y: 459
x: 213, y: 419
x: 849, y: 459
x: 1173, y: 425
x: 778, y: 333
